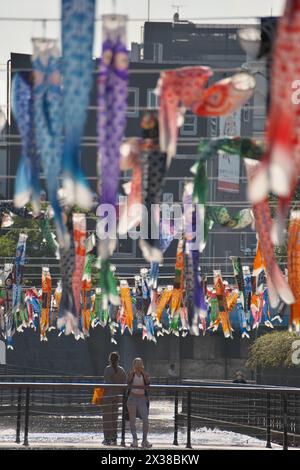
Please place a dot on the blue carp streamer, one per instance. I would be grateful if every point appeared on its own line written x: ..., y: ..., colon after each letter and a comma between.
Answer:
x: 77, y: 70
x: 27, y: 186
x: 48, y: 122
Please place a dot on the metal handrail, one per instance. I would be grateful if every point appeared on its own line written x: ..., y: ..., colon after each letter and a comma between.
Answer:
x: 189, y: 391
x: 175, y: 387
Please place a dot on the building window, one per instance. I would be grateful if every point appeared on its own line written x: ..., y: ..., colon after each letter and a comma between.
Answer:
x: 248, y: 243
x: 152, y: 99
x: 190, y: 125
x: 133, y: 102
x: 212, y: 127
x: 126, y: 248
x: 246, y: 112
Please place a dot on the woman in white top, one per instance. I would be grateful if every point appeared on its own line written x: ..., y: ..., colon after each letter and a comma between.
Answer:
x: 138, y: 401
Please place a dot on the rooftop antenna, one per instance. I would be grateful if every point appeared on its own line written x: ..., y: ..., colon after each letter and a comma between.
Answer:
x: 176, y: 15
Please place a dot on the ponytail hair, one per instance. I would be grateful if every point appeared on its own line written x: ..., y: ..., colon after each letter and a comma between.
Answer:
x: 114, y: 359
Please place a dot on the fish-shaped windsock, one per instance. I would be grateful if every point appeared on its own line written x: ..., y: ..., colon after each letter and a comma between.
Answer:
x: 166, y: 236
x: 112, y: 106
x: 278, y: 288
x: 163, y: 302
x: 67, y: 316
x: 29, y: 306
x: 184, y: 321
x: 239, y: 278
x: 130, y: 212
x: 46, y: 303
x: 154, y: 167
x: 213, y: 309
x: 222, y: 305
x: 193, y: 285
x: 258, y: 271
x: 126, y: 305
x: 231, y: 300
x: 177, y: 292
x: 266, y: 317
x: 245, y: 147
x: 55, y: 302
x: 18, y: 273
x: 243, y: 322
x: 184, y: 86
x: 148, y: 329
x: 107, y: 283
x: 226, y: 95
x: 79, y: 232
x: 294, y: 269
x: 86, y: 287
x: 9, y: 326
x: 48, y: 236
x: 77, y: 32
x: 256, y: 309
x: 27, y: 185
x: 279, y: 170
x: 47, y: 93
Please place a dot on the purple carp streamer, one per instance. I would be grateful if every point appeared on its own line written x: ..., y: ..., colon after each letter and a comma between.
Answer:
x: 18, y: 273
x: 112, y: 106
x: 27, y: 185
x: 77, y: 71
x: 48, y: 122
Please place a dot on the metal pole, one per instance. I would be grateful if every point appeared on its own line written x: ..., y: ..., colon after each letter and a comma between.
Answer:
x: 268, y: 444
x: 123, y: 419
x: 175, y: 441
x: 284, y: 422
x: 25, y: 443
x: 188, y: 429
x: 19, y: 411
x: 148, y: 15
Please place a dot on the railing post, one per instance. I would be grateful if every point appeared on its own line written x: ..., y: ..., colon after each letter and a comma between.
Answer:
x: 19, y: 411
x: 25, y: 443
x: 285, y: 422
x: 188, y: 428
x: 175, y: 441
x: 268, y: 444
x: 123, y: 418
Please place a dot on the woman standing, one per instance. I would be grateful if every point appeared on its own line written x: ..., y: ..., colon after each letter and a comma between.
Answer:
x: 138, y: 401
x: 113, y: 374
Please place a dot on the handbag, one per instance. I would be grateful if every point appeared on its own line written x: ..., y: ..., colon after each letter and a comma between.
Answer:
x: 97, y: 396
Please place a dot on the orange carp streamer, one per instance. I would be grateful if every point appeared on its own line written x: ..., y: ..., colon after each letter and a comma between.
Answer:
x: 126, y: 306
x: 294, y: 268
x: 46, y: 302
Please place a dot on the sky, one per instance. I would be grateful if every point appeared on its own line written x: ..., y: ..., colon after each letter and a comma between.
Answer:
x: 15, y: 36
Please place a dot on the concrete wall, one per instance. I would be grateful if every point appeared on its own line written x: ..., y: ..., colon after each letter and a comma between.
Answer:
x: 206, y: 357
x: 203, y: 357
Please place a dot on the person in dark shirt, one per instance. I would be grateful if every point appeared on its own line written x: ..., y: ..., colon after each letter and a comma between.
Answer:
x: 113, y: 374
x: 239, y: 378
